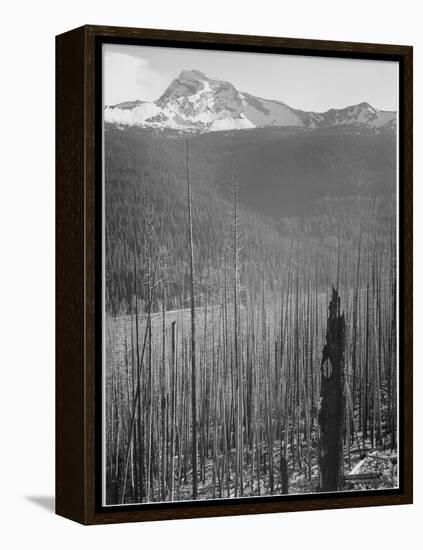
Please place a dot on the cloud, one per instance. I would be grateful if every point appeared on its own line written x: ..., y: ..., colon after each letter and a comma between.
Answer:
x: 128, y: 77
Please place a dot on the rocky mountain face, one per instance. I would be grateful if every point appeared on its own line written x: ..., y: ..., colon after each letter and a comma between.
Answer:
x: 195, y: 102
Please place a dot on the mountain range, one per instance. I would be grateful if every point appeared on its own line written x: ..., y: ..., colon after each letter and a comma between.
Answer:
x: 195, y: 102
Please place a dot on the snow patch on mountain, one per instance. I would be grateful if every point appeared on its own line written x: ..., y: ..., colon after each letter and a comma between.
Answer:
x: 231, y: 123
x: 199, y: 103
x: 138, y: 115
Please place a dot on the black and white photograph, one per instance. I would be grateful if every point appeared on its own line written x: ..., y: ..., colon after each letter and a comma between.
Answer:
x: 250, y: 274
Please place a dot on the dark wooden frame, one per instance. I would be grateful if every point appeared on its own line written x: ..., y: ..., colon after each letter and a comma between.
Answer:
x: 77, y: 304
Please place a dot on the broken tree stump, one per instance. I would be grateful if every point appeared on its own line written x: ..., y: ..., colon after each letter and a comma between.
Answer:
x: 284, y: 476
x: 331, y: 407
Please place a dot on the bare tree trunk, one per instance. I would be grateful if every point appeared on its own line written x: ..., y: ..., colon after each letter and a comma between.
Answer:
x: 136, y: 396
x: 174, y: 393
x: 193, y: 381
x: 164, y: 399
x: 284, y: 474
x: 238, y: 440
x: 355, y: 326
x: 139, y: 427
x: 331, y: 413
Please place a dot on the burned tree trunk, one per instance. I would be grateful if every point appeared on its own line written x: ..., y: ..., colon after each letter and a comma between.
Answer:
x: 284, y: 475
x: 331, y: 412
x: 193, y: 368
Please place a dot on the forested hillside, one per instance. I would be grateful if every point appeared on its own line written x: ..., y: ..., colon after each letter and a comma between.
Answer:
x: 292, y: 184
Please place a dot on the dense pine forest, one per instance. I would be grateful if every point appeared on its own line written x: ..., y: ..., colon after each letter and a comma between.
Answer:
x: 250, y: 325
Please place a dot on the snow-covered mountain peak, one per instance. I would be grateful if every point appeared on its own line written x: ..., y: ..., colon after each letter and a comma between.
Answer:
x: 196, y: 102
x: 192, y: 74
x: 361, y: 114
x: 186, y: 84
x: 192, y: 84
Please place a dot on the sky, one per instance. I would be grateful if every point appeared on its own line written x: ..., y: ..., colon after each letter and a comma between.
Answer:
x: 302, y: 82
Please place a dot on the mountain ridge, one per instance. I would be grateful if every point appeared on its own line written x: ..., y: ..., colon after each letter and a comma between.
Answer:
x: 195, y: 102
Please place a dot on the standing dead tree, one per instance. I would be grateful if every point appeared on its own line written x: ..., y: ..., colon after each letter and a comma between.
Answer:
x: 238, y: 375
x: 193, y: 373
x: 331, y: 412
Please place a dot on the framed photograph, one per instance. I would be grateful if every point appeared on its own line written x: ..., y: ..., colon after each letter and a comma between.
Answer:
x: 234, y: 274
